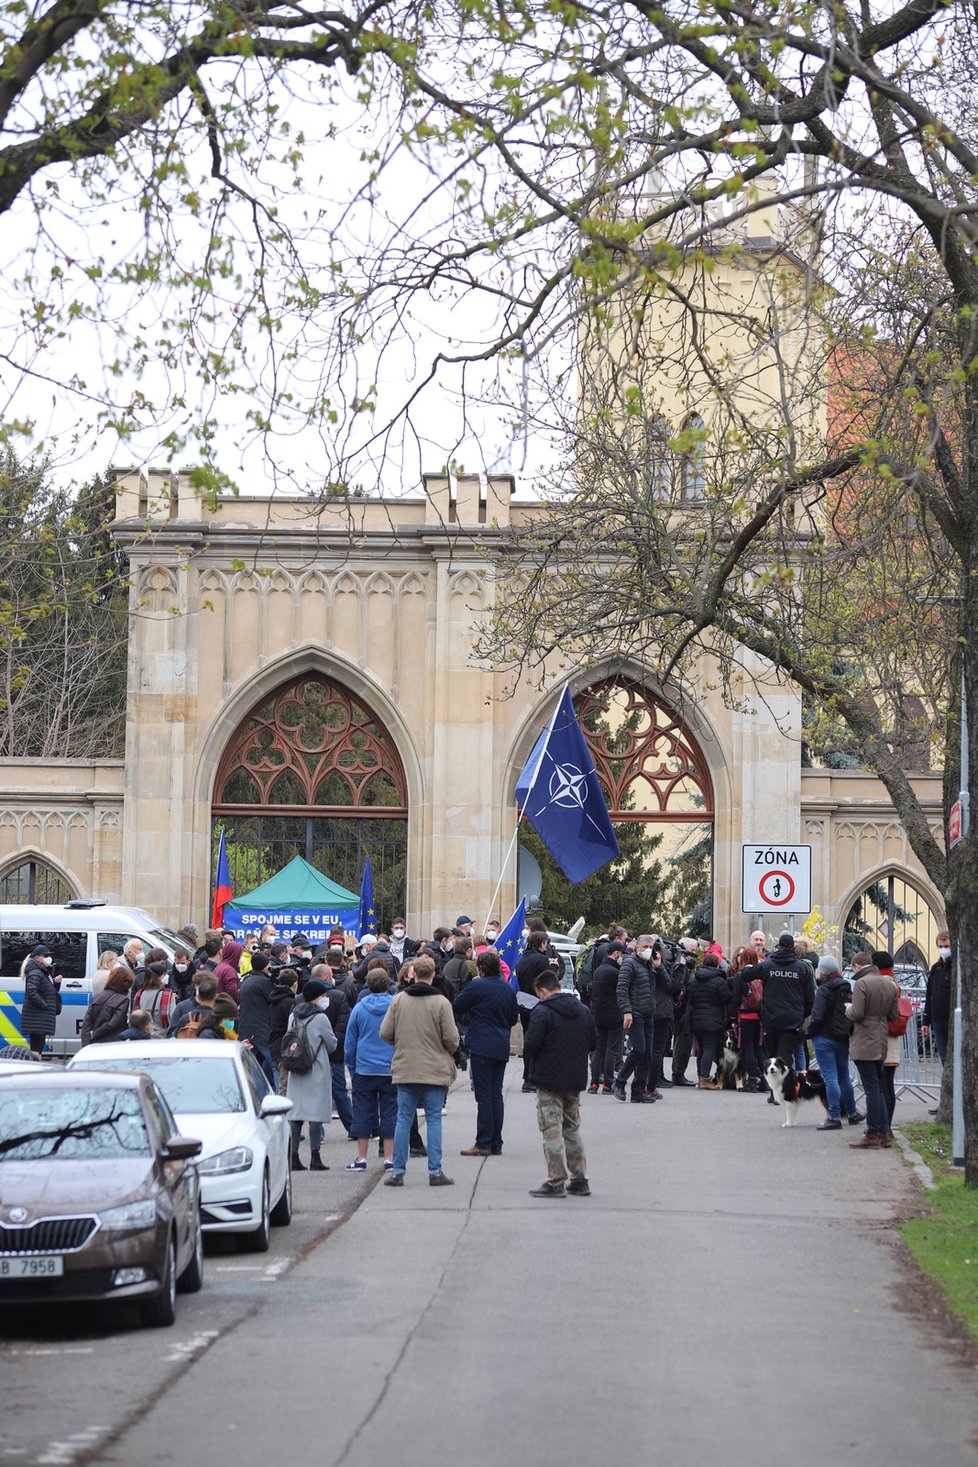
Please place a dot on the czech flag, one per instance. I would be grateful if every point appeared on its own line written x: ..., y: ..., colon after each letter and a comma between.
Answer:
x: 222, y: 884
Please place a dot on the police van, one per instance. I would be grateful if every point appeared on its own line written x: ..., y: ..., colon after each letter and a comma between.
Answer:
x: 76, y: 933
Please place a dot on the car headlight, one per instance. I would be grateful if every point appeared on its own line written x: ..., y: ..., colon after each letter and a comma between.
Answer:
x: 238, y: 1159
x: 130, y: 1215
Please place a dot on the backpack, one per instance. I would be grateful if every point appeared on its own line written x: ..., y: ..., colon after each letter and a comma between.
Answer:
x: 840, y: 1028
x: 191, y: 1025
x: 297, y: 1053
x: 898, y: 1025
x: 584, y: 972
x: 752, y: 997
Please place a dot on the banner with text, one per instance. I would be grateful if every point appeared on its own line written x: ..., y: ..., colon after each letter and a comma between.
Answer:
x: 315, y: 923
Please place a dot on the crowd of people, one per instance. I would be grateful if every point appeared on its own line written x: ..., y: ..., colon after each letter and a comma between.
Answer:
x: 374, y: 1032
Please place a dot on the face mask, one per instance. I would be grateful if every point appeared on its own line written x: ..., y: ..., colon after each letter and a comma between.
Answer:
x: 322, y: 1003
x: 227, y: 1024
x: 179, y: 967
x: 944, y: 952
x: 526, y: 933
x: 645, y: 952
x: 335, y: 947
x: 492, y: 934
x: 398, y: 932
x: 47, y: 961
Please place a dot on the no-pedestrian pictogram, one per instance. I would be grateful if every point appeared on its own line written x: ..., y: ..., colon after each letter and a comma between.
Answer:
x: 776, y: 888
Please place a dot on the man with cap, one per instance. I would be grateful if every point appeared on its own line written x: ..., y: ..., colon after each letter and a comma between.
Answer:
x: 42, y: 1001
x: 789, y: 997
x: 463, y: 927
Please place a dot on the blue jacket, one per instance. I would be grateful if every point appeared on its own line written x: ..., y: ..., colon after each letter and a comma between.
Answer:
x: 363, y: 1049
x: 491, y: 1008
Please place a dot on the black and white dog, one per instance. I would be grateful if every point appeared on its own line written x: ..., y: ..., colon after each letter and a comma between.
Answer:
x: 790, y: 1089
x: 731, y: 1073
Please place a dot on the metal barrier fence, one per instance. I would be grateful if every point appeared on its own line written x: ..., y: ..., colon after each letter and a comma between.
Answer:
x: 920, y: 1068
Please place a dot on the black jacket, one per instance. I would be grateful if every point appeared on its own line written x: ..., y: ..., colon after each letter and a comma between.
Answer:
x: 529, y: 968
x: 558, y: 1040
x: 39, y: 1011
x: 106, y: 1017
x: 280, y: 1006
x: 667, y: 985
x: 636, y: 987
x: 604, y: 994
x: 253, y: 1001
x: 707, y: 1001
x: 937, y: 1003
x: 828, y: 1019
x: 360, y: 971
x: 789, y: 990
x: 490, y: 1006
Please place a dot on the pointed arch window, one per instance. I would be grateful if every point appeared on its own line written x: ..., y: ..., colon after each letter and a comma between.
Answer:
x: 312, y: 746
x: 660, y: 460
x: 32, y: 881
x: 693, y: 480
x: 648, y: 762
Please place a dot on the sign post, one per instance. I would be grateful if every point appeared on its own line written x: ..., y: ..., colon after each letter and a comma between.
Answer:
x: 776, y: 878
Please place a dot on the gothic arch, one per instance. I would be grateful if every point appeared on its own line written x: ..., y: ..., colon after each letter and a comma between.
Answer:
x: 27, y: 854
x: 699, y: 733
x: 921, y: 884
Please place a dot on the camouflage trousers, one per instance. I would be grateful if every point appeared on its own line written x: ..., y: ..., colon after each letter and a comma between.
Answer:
x: 559, y: 1119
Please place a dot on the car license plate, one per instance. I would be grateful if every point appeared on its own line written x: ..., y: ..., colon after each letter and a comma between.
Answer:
x: 31, y: 1268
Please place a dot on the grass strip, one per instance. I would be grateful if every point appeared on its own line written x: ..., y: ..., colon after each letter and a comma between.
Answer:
x: 944, y: 1241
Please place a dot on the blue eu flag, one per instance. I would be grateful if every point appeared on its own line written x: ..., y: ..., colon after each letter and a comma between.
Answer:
x: 559, y: 791
x: 368, y: 908
x: 511, y: 942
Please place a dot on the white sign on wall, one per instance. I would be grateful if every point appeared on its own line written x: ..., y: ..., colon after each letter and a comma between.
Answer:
x: 776, y: 878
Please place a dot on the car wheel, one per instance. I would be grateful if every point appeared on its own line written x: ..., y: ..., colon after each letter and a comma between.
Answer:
x: 161, y: 1309
x: 258, y: 1240
x: 192, y: 1278
x: 281, y: 1214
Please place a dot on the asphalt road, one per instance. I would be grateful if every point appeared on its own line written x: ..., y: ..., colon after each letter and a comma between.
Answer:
x: 731, y: 1292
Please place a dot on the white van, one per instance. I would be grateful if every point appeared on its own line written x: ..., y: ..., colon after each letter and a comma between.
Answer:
x: 76, y: 933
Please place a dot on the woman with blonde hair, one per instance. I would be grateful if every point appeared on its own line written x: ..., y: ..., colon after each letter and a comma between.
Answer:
x: 106, y: 962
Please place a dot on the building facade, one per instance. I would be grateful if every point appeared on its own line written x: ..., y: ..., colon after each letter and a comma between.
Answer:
x: 304, y: 675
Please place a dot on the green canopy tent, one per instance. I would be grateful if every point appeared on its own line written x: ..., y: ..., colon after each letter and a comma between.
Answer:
x: 296, y: 899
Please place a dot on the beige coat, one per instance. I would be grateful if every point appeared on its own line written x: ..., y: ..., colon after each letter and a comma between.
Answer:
x: 421, y: 1027
x: 874, y: 1004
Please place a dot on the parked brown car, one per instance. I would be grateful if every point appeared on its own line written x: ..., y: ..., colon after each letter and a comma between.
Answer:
x: 99, y: 1196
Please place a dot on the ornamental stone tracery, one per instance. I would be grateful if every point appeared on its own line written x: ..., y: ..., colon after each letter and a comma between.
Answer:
x: 311, y: 746
x: 647, y: 761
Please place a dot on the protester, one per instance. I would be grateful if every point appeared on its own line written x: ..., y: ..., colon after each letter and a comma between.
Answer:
x: 108, y: 1013
x: 140, y: 1026
x: 226, y: 972
x: 708, y: 997
x: 338, y: 1013
x: 936, y: 1016
x: 460, y: 968
x: 42, y: 1001
x: 420, y: 1026
x: 636, y: 1001
x: 156, y: 998
x: 285, y: 986
x: 205, y: 992
x: 559, y: 1038
x: 311, y: 1091
x: 883, y: 962
x: 219, y: 1021
x: 254, y: 1013
x: 828, y: 1030
x: 607, y: 1017
x: 368, y: 1058
x: 745, y: 1010
x: 490, y: 1006
x: 875, y: 1001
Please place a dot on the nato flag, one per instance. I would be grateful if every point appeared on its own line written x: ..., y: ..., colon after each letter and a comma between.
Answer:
x: 559, y: 791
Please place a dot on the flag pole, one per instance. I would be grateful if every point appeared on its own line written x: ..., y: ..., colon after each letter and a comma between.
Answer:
x: 529, y: 791
x: 502, y: 873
